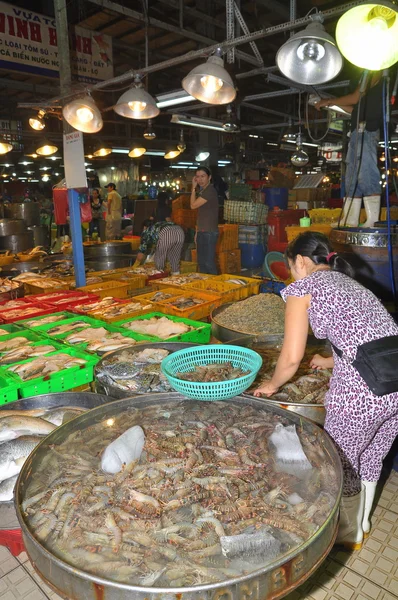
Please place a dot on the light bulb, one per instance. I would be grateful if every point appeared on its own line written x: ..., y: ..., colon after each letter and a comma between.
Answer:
x: 5, y: 147
x: 37, y: 123
x: 137, y: 106
x: 84, y: 114
x: 311, y: 50
x: 299, y: 158
x: 211, y: 84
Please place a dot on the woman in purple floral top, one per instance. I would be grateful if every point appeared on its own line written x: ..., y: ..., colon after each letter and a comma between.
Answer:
x: 362, y: 425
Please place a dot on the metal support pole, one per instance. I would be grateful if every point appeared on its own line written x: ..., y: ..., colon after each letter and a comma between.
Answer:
x: 65, y: 81
x: 77, y: 239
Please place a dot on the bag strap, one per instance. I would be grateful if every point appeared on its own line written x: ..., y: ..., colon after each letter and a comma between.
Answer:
x: 337, y: 350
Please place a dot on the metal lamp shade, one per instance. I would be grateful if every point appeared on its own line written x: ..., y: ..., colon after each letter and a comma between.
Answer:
x: 136, y: 103
x: 171, y: 152
x: 5, y: 146
x: 310, y: 57
x: 210, y: 82
x: 299, y: 158
x: 83, y: 114
x: 46, y: 148
x: 367, y: 35
x: 101, y: 150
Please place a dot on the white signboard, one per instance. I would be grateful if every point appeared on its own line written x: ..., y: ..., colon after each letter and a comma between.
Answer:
x: 75, y: 171
x: 28, y: 43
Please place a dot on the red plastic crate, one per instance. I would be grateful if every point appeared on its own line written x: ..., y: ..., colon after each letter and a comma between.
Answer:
x: 12, y: 539
x: 50, y: 297
x: 277, y: 221
x: 8, y: 316
x: 21, y: 302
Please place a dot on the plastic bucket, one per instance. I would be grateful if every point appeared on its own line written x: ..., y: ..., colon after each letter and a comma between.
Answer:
x: 277, y: 197
x: 252, y: 255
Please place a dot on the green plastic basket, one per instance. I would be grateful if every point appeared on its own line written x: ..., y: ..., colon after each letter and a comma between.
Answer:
x: 11, y: 327
x: 64, y: 315
x: 183, y: 360
x: 199, y: 335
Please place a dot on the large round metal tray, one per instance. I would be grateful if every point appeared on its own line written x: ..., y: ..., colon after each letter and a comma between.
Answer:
x: 271, y: 582
x: 116, y: 261
x: 108, y: 249
x: 115, y: 392
x: 227, y: 334
x: 17, y: 292
x: 8, y: 516
x: 16, y: 268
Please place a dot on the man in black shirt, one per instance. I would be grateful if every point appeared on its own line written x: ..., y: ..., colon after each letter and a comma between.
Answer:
x: 362, y: 176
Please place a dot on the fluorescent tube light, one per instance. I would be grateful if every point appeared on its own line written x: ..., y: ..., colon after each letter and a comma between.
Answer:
x: 173, y: 98
x: 200, y: 122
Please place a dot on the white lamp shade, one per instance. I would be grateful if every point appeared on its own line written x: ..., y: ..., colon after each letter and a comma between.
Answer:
x: 172, y: 153
x: 136, y: 151
x: 83, y: 114
x: 136, y: 103
x: 367, y: 35
x: 5, y: 146
x: 310, y: 56
x: 210, y: 82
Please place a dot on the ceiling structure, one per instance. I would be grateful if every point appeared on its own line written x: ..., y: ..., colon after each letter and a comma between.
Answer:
x: 149, y: 32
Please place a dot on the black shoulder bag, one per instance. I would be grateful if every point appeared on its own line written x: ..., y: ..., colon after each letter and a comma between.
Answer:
x: 377, y: 364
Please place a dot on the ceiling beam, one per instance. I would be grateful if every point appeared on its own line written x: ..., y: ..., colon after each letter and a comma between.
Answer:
x: 265, y: 110
x: 24, y: 86
x: 197, y: 14
x: 133, y: 14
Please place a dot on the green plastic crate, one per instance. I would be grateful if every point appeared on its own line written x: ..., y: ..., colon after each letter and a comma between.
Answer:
x: 27, y: 333
x: 22, y: 324
x: 8, y: 389
x: 71, y: 318
x: 56, y: 382
x: 200, y: 335
x: 11, y: 327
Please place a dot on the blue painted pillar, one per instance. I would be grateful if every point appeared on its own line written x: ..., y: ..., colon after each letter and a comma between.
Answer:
x: 77, y: 239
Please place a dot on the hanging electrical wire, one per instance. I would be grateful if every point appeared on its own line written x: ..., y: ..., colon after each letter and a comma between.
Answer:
x: 307, y: 124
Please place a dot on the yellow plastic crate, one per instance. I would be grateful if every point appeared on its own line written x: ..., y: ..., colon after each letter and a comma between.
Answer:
x: 160, y: 284
x: 134, y: 240
x: 228, y: 292
x: 45, y: 286
x: 251, y: 288
x: 324, y: 215
x: 200, y: 311
x: 292, y: 231
x: 188, y: 267
x: 115, y: 289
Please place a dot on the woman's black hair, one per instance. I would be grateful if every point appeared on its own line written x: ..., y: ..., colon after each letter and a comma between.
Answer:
x: 316, y: 246
x: 205, y: 169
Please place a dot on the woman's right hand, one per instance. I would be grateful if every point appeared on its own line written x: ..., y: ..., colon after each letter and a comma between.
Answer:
x: 319, y: 362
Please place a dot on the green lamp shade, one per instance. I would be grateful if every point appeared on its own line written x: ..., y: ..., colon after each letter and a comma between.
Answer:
x: 367, y: 35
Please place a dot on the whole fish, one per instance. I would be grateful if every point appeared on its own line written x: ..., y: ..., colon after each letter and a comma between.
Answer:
x: 14, y: 427
x: 14, y: 453
x: 58, y: 416
x: 7, y: 489
x: 34, y: 412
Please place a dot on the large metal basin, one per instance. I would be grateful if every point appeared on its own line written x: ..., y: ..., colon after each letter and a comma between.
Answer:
x: 118, y: 261
x: 17, y: 243
x: 28, y: 211
x: 274, y: 581
x: 16, y: 268
x: 227, y: 334
x: 367, y: 251
x: 41, y: 235
x: 108, y: 249
x: 115, y: 392
x: 12, y: 226
x: 8, y: 516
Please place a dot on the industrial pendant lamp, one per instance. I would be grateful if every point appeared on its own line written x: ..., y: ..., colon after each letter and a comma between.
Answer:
x: 201, y: 156
x: 46, y: 148
x: 149, y: 133
x: 136, y: 103
x: 181, y: 146
x: 37, y: 123
x: 310, y: 56
x: 101, y: 150
x: 136, y: 151
x: 5, y: 145
x: 210, y: 82
x: 229, y: 124
x: 83, y: 114
x: 367, y: 35
x: 171, y: 152
x: 299, y: 157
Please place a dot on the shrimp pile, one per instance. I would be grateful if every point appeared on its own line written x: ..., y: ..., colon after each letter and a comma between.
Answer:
x: 204, y: 502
